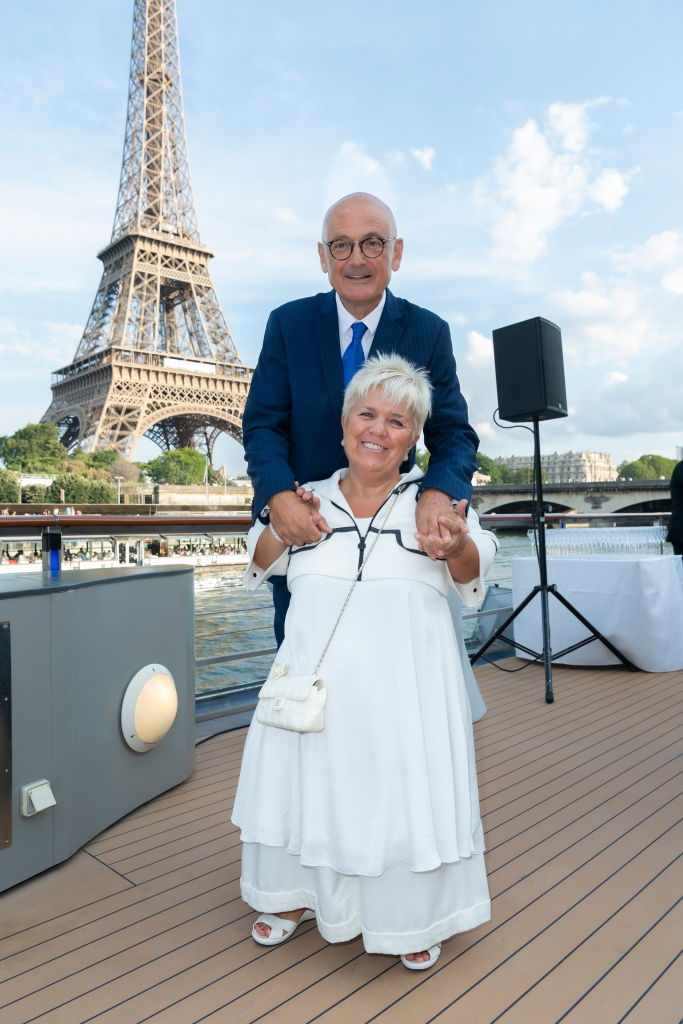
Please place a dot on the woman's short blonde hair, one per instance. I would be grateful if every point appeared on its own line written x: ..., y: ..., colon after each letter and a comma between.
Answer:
x: 401, y: 382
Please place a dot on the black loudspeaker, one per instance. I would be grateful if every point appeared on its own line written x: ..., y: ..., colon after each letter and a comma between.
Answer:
x: 529, y: 371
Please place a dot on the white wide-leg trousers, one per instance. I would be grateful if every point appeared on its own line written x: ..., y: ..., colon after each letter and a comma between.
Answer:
x: 399, y: 911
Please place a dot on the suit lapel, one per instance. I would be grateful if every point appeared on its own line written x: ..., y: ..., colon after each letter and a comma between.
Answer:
x: 389, y: 334
x: 326, y: 330
x: 388, y: 338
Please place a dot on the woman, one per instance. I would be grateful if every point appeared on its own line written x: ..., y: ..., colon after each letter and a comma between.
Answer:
x: 371, y: 826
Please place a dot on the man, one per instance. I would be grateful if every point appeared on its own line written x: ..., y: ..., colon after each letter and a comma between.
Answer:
x: 675, y: 535
x: 292, y: 420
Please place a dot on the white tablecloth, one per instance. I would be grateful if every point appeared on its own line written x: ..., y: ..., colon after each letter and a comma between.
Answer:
x: 637, y: 603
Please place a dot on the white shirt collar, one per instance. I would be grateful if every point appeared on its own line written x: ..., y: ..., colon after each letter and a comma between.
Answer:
x: 346, y: 320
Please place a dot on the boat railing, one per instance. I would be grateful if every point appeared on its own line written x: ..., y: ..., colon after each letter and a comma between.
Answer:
x: 234, y: 698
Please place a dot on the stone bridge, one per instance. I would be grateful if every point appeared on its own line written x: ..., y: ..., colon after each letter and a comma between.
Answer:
x: 620, y: 496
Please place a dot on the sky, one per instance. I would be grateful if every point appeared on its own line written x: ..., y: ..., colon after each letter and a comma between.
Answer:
x: 531, y: 153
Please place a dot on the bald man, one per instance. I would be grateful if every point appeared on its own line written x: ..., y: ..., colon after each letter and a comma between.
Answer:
x: 292, y: 420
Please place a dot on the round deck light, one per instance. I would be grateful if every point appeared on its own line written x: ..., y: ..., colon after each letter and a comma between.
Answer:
x: 149, y: 708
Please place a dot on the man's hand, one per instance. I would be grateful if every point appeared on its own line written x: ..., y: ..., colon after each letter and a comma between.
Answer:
x: 313, y: 502
x: 295, y: 519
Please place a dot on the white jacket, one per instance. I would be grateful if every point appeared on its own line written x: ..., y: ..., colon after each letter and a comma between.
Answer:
x: 395, y: 555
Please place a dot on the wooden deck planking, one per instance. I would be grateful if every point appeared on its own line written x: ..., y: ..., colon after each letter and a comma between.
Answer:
x: 580, y: 803
x: 617, y: 962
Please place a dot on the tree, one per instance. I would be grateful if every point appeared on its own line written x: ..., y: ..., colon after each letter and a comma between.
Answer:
x: 76, y: 489
x: 184, y: 467
x: 487, y: 466
x: 9, y: 487
x: 35, y: 448
x: 80, y: 489
x: 34, y: 494
x: 502, y: 474
x: 102, y: 493
x: 647, y: 467
x: 130, y: 471
x: 103, y: 459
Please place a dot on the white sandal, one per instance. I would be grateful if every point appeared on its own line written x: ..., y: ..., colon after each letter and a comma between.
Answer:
x: 423, y: 965
x: 280, y: 928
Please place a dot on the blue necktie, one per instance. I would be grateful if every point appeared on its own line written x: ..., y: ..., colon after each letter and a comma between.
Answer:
x: 354, y: 357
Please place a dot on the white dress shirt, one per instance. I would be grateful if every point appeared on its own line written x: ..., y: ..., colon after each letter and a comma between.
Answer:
x: 346, y: 321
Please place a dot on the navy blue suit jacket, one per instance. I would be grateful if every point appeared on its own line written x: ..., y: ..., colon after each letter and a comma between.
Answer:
x: 292, y: 419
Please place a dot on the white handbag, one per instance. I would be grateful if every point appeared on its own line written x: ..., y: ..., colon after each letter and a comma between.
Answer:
x: 289, y: 702
x: 297, y: 703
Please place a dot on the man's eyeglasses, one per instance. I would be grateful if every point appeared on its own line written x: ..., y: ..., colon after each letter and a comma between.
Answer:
x: 371, y: 247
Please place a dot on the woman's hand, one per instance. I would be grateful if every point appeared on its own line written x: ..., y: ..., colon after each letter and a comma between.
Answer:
x: 452, y: 543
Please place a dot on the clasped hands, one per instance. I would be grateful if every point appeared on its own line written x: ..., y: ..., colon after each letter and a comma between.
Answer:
x: 441, y: 529
x: 295, y: 517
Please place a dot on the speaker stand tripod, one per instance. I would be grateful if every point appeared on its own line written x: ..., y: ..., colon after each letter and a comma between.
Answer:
x: 544, y: 589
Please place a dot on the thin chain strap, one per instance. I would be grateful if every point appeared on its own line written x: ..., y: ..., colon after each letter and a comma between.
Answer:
x: 357, y: 577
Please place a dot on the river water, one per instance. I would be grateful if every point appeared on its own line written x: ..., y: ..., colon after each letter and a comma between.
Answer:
x: 231, y: 620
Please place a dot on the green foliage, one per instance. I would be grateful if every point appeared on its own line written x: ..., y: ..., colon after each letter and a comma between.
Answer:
x: 34, y: 494
x: 504, y: 475
x: 36, y: 448
x: 9, y: 487
x: 184, y: 466
x: 102, y: 493
x: 80, y: 489
x: 486, y: 465
x: 647, y: 467
x: 33, y: 449
x: 76, y: 489
x: 95, y: 460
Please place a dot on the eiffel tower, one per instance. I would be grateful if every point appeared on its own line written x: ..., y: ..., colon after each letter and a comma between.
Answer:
x: 156, y: 358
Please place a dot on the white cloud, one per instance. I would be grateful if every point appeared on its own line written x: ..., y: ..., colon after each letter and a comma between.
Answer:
x: 658, y: 250
x: 623, y: 359
x: 544, y: 179
x: 673, y: 281
x: 535, y: 191
x: 28, y: 357
x: 609, y: 189
x: 50, y: 346
x: 488, y: 434
x: 424, y: 156
x: 606, y: 322
x: 479, y: 350
x: 569, y: 122
x: 286, y: 216
x: 478, y: 382
x: 71, y: 231
x: 352, y: 170
x: 646, y: 401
